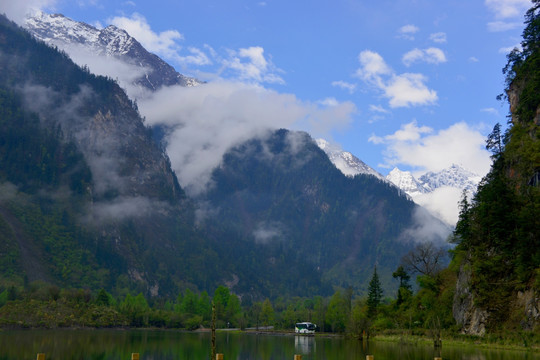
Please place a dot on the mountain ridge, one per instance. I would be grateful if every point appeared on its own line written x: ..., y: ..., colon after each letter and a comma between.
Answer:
x: 345, y: 161
x: 280, y: 220
x: 453, y: 176
x: 113, y: 42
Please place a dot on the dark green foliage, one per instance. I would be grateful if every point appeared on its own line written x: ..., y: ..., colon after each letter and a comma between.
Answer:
x: 103, y: 298
x: 375, y: 294
x: 34, y: 157
x: 498, y: 231
x: 404, y: 290
x: 494, y: 141
x: 338, y: 312
x: 403, y: 277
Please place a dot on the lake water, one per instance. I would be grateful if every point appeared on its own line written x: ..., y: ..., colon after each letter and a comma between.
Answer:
x: 168, y: 345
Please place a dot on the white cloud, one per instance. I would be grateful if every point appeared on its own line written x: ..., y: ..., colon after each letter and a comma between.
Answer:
x: 409, y: 90
x: 213, y: 117
x: 443, y: 203
x: 407, y: 31
x: 439, y: 37
x: 18, y: 10
x: 197, y: 57
x: 430, y: 55
x: 378, y: 109
x: 499, y: 26
x: 330, y: 101
x: 424, y: 229
x: 245, y: 64
x: 345, y: 85
x: 251, y: 65
x: 473, y: 59
x: 424, y: 149
x: 373, y: 65
x: 266, y: 232
x: 492, y: 111
x: 506, y: 50
x: 164, y: 43
x: 104, y: 65
x: 123, y: 207
x: 504, y: 9
x: 403, y: 90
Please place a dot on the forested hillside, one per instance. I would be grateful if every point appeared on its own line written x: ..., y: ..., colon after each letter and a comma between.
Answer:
x: 85, y: 189
x: 284, y: 194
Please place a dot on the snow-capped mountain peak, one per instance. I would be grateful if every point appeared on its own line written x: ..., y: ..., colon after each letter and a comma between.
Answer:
x: 73, y: 37
x: 453, y: 176
x: 346, y: 162
x: 406, y: 182
x: 439, y: 191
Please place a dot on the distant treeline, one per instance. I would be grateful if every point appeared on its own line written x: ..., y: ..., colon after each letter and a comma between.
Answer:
x: 41, y: 305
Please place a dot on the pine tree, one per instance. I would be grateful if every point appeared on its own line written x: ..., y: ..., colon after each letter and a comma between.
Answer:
x: 375, y: 294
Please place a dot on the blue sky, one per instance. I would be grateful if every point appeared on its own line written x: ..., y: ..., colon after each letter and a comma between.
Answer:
x: 407, y: 83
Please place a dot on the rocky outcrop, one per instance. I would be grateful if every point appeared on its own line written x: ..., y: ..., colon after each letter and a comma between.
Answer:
x: 471, y: 318
x: 530, y: 302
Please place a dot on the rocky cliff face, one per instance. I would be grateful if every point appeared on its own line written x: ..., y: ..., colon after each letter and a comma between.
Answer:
x: 471, y: 318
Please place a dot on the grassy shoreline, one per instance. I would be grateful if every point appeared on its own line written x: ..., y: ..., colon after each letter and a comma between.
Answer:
x: 490, y: 341
x: 459, y: 340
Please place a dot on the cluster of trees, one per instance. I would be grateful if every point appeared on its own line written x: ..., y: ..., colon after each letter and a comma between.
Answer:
x: 44, y: 305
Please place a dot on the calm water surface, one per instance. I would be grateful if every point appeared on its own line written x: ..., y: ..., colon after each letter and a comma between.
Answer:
x: 168, y: 345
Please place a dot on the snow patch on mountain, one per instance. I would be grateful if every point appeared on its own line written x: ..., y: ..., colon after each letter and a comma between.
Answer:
x: 346, y: 162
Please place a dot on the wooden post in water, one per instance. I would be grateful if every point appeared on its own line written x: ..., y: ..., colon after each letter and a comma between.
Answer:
x: 40, y: 356
x: 219, y: 356
x: 134, y: 356
x: 370, y: 357
x: 297, y: 357
x: 213, y: 356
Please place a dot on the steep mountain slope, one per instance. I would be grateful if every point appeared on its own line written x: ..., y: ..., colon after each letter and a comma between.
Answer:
x: 72, y: 36
x: 283, y: 193
x: 92, y: 189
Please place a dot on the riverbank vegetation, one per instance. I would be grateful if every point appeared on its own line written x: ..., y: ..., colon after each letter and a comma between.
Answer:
x: 407, y: 316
